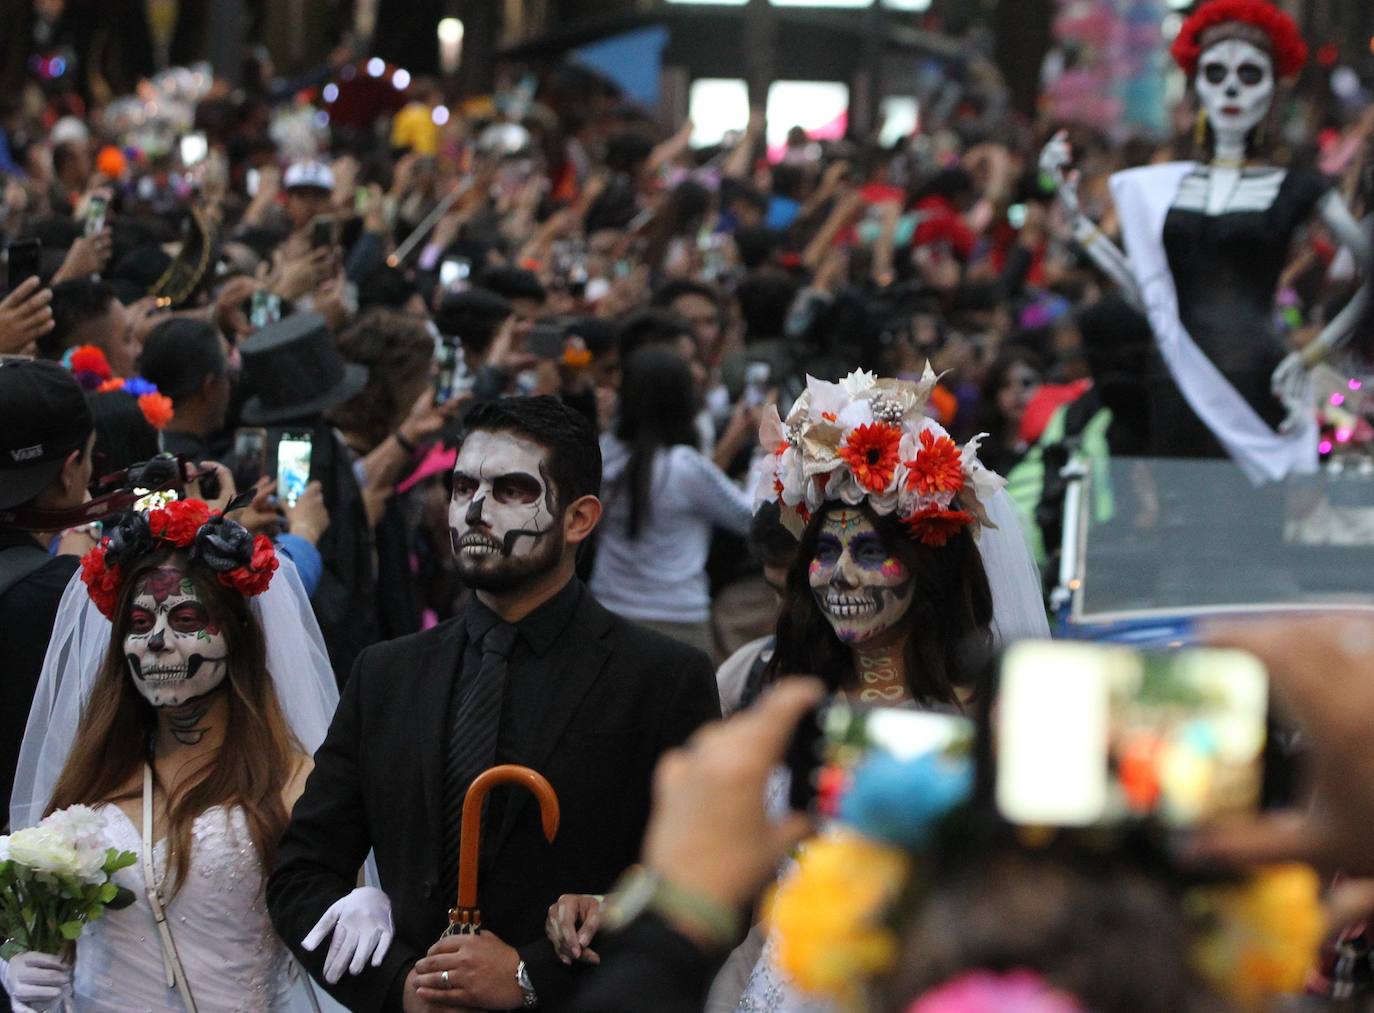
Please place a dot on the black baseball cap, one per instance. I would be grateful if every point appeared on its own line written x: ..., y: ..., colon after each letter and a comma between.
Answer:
x: 43, y: 418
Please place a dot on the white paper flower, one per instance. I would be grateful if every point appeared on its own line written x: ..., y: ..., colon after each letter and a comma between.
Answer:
x: 859, y: 381
x: 771, y: 430
x: 827, y: 400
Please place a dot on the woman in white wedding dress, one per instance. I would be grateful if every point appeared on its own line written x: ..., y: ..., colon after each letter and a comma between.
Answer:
x: 186, y: 722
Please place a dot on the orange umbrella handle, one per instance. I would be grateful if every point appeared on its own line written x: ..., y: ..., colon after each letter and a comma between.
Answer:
x: 465, y: 918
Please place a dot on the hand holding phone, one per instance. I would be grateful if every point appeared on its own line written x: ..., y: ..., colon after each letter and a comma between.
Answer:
x: 322, y: 232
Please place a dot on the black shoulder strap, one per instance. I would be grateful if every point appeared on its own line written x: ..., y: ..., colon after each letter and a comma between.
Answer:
x: 17, y: 562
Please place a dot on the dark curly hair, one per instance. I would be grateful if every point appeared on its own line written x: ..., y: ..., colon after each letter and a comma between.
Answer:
x: 397, y: 351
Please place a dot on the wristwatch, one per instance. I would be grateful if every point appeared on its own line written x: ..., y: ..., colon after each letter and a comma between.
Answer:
x: 522, y: 978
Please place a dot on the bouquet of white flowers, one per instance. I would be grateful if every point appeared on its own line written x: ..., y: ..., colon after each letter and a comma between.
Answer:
x: 54, y: 878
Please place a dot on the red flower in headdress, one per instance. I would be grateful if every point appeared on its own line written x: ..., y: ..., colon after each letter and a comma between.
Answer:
x: 933, y: 526
x: 938, y: 466
x: 178, y: 521
x: 90, y: 359
x: 114, y: 383
x: 1288, y: 48
x: 102, y: 582
x: 872, y: 454
x: 156, y: 408
x: 254, y: 578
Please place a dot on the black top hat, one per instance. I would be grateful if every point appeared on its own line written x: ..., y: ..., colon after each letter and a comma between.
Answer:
x: 296, y: 370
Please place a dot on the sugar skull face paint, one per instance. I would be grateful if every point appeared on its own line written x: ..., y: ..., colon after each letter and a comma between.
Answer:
x: 502, y: 518
x: 1235, y: 84
x: 862, y: 588
x: 175, y: 648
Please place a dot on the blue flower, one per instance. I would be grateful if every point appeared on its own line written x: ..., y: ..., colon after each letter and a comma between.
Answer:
x: 902, y: 801
x: 137, y: 386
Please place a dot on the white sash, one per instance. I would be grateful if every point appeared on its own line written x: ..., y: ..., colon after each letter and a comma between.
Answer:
x: 1143, y: 197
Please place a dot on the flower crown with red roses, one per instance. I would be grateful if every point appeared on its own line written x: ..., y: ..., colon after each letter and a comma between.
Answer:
x: 866, y: 439
x: 1286, y: 43
x: 238, y: 560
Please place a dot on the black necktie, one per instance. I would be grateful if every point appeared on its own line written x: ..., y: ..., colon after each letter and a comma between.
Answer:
x: 476, y: 724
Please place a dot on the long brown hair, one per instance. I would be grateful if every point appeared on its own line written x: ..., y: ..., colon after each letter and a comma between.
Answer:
x: 250, y: 769
x: 950, y: 617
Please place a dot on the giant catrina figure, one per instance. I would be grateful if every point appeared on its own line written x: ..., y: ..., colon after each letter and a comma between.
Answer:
x: 1205, y: 244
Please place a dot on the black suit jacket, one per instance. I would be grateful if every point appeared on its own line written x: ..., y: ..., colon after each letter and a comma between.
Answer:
x: 623, y: 696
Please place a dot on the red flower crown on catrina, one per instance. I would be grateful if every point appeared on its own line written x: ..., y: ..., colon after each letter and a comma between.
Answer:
x: 1286, y: 43
x: 239, y: 560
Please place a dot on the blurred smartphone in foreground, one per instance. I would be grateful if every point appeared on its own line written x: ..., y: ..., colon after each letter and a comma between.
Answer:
x: 1093, y: 736
x: 293, y: 466
x: 833, y: 740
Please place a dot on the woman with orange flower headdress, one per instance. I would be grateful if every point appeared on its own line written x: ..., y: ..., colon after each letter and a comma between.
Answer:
x: 1205, y: 244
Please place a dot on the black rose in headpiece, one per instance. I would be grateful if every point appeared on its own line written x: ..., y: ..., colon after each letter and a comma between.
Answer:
x: 128, y: 539
x: 223, y: 545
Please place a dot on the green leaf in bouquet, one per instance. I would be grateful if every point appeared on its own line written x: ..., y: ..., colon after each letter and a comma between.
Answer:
x: 107, y: 892
x: 11, y: 949
x: 122, y: 899
x: 116, y: 860
x: 71, y: 931
x: 94, y: 912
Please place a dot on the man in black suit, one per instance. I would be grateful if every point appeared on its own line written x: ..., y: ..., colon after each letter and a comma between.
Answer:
x: 532, y: 671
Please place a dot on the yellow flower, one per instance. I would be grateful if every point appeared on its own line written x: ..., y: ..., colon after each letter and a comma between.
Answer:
x: 1265, y: 933
x: 827, y: 914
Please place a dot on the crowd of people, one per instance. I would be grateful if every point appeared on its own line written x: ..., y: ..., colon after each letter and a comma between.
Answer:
x: 339, y: 466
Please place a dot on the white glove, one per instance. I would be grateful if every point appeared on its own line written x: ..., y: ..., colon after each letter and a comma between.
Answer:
x: 35, y: 978
x: 1055, y: 157
x: 361, y: 923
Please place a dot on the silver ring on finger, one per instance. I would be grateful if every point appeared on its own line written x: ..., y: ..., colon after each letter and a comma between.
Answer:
x: 444, y: 977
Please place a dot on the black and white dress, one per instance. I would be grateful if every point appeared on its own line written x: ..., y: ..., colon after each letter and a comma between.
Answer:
x: 1226, y: 270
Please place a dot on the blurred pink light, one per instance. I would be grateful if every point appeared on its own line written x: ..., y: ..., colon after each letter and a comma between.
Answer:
x: 1338, y: 399
x: 1343, y: 435
x: 1354, y: 385
x: 1324, y: 447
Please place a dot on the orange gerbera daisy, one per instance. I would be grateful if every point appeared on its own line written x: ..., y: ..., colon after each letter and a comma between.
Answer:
x: 872, y: 454
x: 937, y: 467
x: 933, y: 526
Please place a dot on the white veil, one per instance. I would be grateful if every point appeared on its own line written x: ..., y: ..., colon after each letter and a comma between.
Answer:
x: 1018, y: 603
x: 296, y: 657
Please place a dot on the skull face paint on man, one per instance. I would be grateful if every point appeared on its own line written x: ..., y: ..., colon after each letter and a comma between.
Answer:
x: 503, y: 519
x: 860, y: 585
x: 175, y: 648
x: 1235, y: 84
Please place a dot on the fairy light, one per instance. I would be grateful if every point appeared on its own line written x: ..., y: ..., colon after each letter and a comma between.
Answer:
x: 439, y: 115
x: 331, y: 92
x: 1343, y: 435
x: 1354, y: 384
x: 1325, y: 447
x: 1338, y: 399
x: 400, y: 80
x: 375, y: 67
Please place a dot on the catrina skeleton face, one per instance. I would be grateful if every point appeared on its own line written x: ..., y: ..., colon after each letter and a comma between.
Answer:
x: 1235, y: 84
x: 175, y: 648
x: 860, y: 585
x: 502, y: 518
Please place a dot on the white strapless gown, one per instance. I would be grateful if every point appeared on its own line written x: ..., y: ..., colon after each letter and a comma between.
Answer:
x: 232, y: 957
